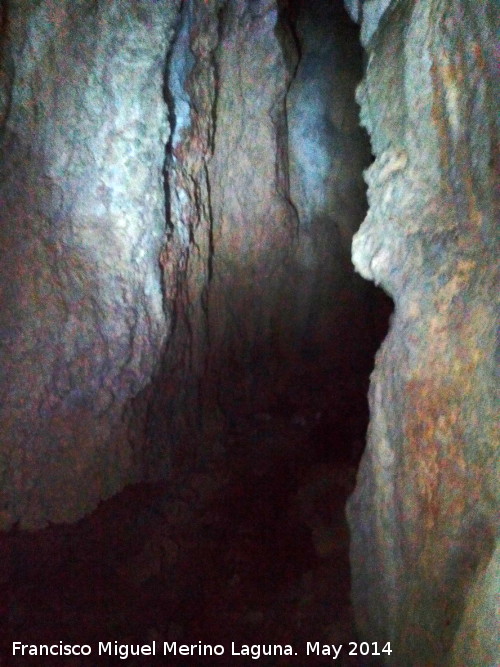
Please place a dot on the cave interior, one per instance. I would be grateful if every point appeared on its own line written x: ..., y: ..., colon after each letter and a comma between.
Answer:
x: 207, y: 408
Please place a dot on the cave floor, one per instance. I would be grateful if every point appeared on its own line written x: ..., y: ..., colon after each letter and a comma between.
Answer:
x: 251, y: 548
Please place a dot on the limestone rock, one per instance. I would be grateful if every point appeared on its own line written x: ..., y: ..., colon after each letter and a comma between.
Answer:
x: 232, y: 225
x: 368, y: 13
x: 260, y: 226
x: 83, y: 127
x: 372, y: 12
x: 148, y: 230
x: 424, y: 516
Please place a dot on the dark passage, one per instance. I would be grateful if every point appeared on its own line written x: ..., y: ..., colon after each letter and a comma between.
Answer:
x: 248, y: 543
x: 251, y: 549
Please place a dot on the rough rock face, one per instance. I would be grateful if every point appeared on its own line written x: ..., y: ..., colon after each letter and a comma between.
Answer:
x: 257, y: 259
x: 232, y: 227
x: 424, y: 516
x: 83, y: 128
x: 148, y: 230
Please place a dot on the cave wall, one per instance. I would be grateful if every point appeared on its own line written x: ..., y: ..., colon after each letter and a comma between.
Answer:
x: 424, y: 516
x: 266, y: 276
x: 153, y: 269
x: 226, y: 262
x: 83, y: 129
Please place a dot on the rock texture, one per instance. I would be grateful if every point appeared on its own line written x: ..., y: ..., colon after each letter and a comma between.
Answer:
x: 232, y: 227
x: 83, y: 128
x: 424, y: 516
x: 257, y: 268
x: 156, y: 273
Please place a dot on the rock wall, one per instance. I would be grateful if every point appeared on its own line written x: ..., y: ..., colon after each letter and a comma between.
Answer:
x: 83, y: 129
x: 260, y: 226
x: 155, y: 272
x: 232, y: 227
x: 424, y: 516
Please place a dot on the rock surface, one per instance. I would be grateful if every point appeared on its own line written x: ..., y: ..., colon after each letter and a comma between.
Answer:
x: 83, y: 126
x: 424, y: 516
x: 148, y: 231
x: 256, y: 277
x: 232, y: 227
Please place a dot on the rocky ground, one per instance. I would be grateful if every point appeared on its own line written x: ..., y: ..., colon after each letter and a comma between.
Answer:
x: 251, y: 548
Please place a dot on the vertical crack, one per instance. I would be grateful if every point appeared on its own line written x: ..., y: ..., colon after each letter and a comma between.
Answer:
x: 211, y: 248
x: 172, y: 121
x: 288, y: 39
x: 7, y: 76
x: 214, y: 63
x: 169, y: 99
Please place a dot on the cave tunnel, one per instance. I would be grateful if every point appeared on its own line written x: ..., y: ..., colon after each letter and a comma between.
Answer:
x: 248, y: 285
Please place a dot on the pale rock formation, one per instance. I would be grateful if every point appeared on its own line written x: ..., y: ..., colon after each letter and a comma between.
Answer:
x: 424, y: 516
x: 83, y: 126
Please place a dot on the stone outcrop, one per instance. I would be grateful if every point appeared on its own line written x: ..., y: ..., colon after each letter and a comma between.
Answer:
x: 424, y: 516
x: 83, y: 128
